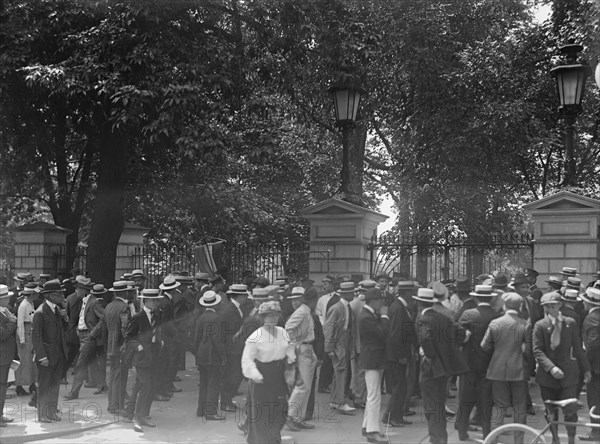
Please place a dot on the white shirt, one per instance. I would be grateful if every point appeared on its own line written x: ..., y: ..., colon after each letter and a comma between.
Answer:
x: 348, y: 311
x: 237, y: 305
x: 321, y: 308
x: 81, y: 325
x: 52, y: 305
x: 300, y: 326
x: 264, y: 347
x: 24, y: 314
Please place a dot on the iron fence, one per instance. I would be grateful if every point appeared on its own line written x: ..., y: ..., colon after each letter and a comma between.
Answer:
x: 427, y: 262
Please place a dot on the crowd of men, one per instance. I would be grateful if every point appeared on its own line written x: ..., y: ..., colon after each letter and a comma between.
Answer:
x: 357, y: 340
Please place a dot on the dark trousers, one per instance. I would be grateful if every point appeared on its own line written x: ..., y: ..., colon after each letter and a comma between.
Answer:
x: 175, y: 349
x: 48, y: 388
x: 232, y: 378
x: 209, y: 389
x: 433, y: 393
x: 3, y: 384
x: 72, y: 352
x: 396, y: 381
x: 310, y: 406
x: 117, y: 384
x: 87, y: 360
x: 593, y: 399
x: 474, y: 390
x: 569, y: 411
x: 142, y: 393
x: 326, y: 373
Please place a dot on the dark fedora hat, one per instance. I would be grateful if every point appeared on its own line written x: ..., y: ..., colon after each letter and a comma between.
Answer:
x: 52, y: 286
x: 520, y: 278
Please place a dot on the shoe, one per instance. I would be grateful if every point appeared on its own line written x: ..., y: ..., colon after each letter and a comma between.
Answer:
x: 394, y: 423
x: 324, y: 390
x: 20, y: 391
x: 376, y: 438
x: 410, y: 413
x: 463, y: 436
x: 242, y: 427
x: 5, y: 420
x: 589, y: 437
x: 145, y: 422
x: 345, y: 409
x: 161, y: 398
x: 305, y: 425
x: 359, y: 405
x: 101, y: 390
x: 292, y: 425
x: 54, y: 418
x: 33, y: 388
x: 364, y: 432
x: 405, y: 422
x: 70, y: 396
x: 45, y: 420
x: 174, y: 389
x: 137, y: 426
x: 90, y: 385
x: 530, y: 411
x: 177, y: 379
x: 229, y: 408
x: 215, y: 418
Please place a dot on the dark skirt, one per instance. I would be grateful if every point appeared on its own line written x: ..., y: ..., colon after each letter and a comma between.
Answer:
x: 267, y: 404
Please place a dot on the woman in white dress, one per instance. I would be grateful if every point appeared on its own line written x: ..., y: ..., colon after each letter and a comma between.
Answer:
x: 266, y: 353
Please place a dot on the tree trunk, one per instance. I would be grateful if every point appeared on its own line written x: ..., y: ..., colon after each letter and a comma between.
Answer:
x: 356, y: 154
x: 107, y: 221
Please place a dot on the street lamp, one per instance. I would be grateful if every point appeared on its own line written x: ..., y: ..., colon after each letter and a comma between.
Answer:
x: 347, y: 102
x: 570, y: 82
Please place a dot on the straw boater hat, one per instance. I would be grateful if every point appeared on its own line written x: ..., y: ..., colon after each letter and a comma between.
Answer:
x: 366, y: 284
x: 137, y: 273
x: 553, y: 297
x: 44, y: 275
x: 210, y: 299
x: 238, y: 289
x: 22, y: 276
x: 4, y: 293
x: 554, y: 280
x: 591, y: 296
x: 260, y: 294
x: 347, y: 287
x: 482, y: 291
x: 98, y: 289
x: 574, y: 283
x: 83, y: 282
x: 30, y: 288
x: 119, y: 286
x: 297, y: 293
x: 150, y: 293
x: 127, y: 276
x: 201, y: 276
x: 571, y: 295
x: 425, y: 295
x: 169, y: 283
x: 569, y: 271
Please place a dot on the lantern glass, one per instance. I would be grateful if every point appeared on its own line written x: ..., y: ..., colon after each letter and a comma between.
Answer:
x: 347, y: 102
x: 570, y: 80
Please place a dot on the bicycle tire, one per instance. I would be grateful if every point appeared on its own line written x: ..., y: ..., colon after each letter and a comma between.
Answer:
x: 506, y: 428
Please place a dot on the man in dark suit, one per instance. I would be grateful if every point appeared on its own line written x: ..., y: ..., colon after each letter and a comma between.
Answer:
x: 211, y: 357
x: 143, y: 336
x: 591, y: 341
x: 90, y: 313
x: 50, y: 348
x: 8, y: 346
x: 439, y: 338
x: 401, y: 348
x: 558, y: 351
x: 116, y: 317
x: 373, y: 324
x: 231, y: 319
x: 325, y: 302
x: 475, y: 389
x: 83, y: 286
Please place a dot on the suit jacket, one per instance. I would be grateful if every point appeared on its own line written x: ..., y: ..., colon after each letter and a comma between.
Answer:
x: 591, y: 339
x: 401, y: 342
x: 571, y: 313
x: 568, y: 356
x: 440, y: 339
x: 48, y: 337
x: 116, y: 316
x: 231, y: 321
x: 338, y: 339
x: 508, y: 338
x: 477, y: 320
x: 210, y: 349
x: 139, y: 332
x: 468, y: 304
x: 373, y: 334
x: 356, y: 305
x: 92, y: 313
x: 8, y: 341
x: 73, y: 308
x: 319, y: 344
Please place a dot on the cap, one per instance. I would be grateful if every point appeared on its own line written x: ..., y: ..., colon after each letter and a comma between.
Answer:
x: 553, y: 297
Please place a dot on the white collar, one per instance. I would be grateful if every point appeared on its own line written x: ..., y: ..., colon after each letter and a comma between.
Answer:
x: 511, y: 311
x: 147, y: 310
x: 52, y: 305
x: 594, y: 309
x: 236, y: 303
x: 371, y: 309
x: 344, y: 301
x: 119, y: 297
x: 425, y: 310
x: 484, y: 304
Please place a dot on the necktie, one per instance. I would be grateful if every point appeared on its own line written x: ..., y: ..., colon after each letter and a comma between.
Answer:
x: 153, y: 325
x: 349, y: 315
x: 555, y: 336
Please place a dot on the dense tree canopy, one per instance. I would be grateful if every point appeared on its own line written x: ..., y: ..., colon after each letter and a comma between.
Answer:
x: 212, y: 118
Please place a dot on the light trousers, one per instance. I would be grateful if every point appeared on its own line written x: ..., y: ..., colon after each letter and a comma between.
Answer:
x: 373, y: 405
x: 307, y: 362
x: 359, y: 387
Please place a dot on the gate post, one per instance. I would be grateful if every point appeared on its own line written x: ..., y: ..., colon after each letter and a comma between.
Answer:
x: 566, y: 234
x: 131, y: 244
x: 345, y: 230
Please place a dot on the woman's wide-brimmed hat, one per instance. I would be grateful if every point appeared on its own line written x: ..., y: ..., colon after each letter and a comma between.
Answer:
x: 269, y: 307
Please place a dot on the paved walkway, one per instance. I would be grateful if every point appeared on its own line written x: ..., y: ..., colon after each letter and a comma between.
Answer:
x: 85, y: 420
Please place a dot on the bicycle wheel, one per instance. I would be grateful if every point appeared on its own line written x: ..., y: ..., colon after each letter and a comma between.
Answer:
x: 530, y: 435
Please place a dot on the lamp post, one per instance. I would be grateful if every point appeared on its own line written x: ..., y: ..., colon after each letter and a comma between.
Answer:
x: 347, y: 102
x: 570, y: 82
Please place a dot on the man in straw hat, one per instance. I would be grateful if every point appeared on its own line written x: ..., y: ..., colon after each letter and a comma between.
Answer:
x: 325, y: 302
x: 590, y: 334
x: 511, y: 361
x: 143, y: 334
x: 8, y: 345
x: 50, y: 347
x: 357, y: 381
x: 301, y: 331
x: 211, y: 357
x: 374, y: 326
x: 440, y: 339
x: 559, y: 355
x: 170, y: 307
x: 26, y: 373
x: 337, y: 331
x: 475, y: 389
